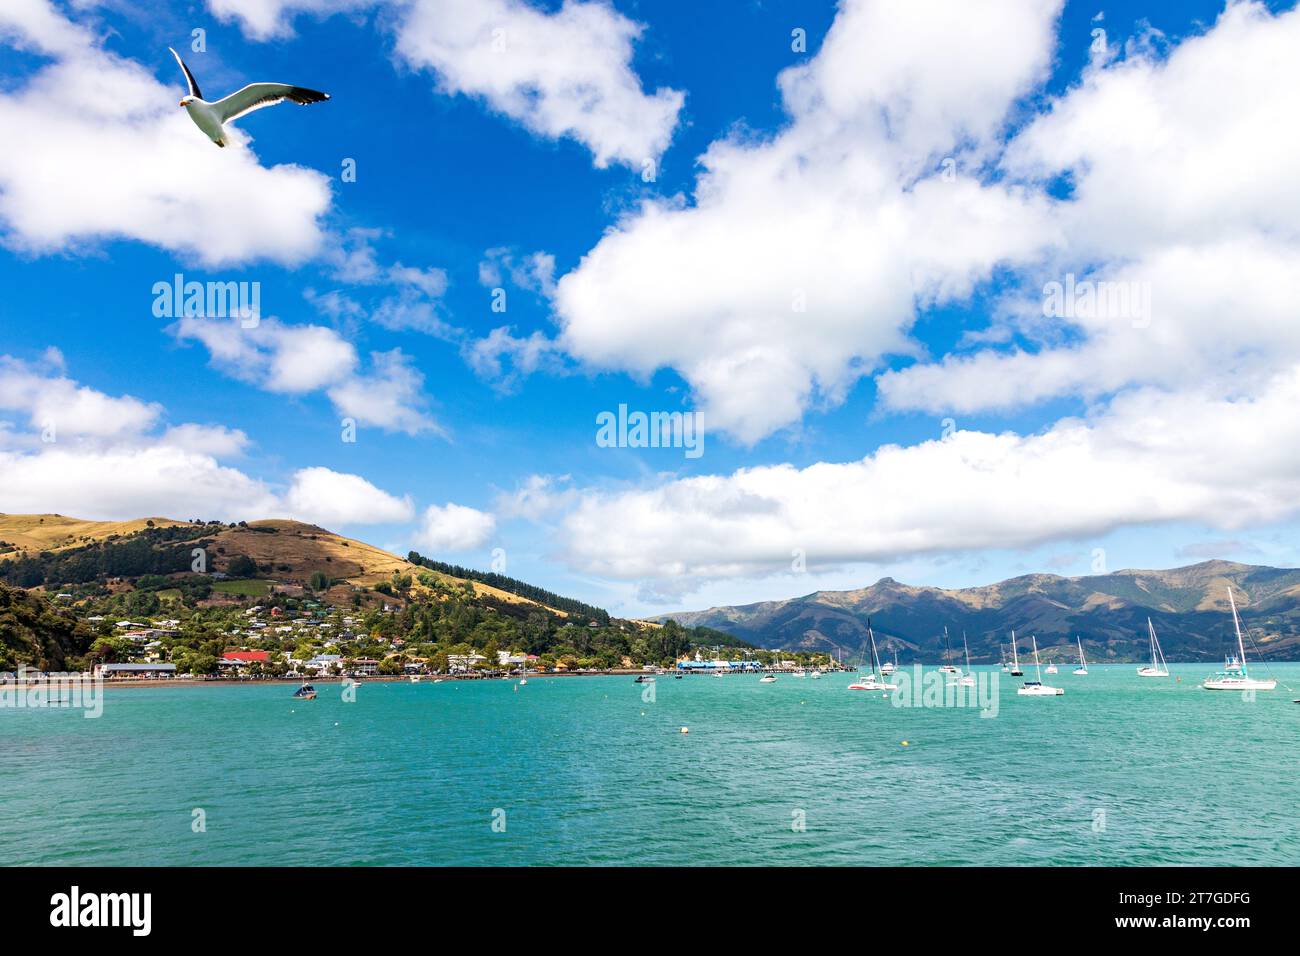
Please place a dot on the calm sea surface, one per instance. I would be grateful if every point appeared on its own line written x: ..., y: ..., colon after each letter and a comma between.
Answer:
x: 1121, y: 770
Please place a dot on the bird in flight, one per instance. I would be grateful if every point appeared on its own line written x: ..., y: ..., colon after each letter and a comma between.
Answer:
x: 212, y: 117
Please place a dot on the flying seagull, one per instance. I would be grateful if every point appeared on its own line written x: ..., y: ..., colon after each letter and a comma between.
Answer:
x: 211, y: 117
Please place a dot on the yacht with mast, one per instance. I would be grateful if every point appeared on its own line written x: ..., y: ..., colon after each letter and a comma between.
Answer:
x: 947, y: 667
x: 1158, y: 667
x: 1015, y: 658
x: 1036, y: 688
x: 968, y: 679
x: 875, y: 680
x: 1082, y: 669
x: 1234, y: 676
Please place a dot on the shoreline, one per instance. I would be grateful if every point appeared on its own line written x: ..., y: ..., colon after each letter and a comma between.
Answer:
x: 297, y: 681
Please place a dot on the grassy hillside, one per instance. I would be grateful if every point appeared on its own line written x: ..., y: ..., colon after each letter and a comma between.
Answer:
x: 22, y: 533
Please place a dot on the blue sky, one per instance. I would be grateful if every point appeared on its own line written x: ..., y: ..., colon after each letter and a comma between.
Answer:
x: 1071, y: 446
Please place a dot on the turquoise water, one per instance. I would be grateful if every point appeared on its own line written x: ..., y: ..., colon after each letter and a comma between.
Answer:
x: 587, y: 772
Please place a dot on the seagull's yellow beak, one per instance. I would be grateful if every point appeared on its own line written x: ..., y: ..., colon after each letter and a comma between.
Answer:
x: 181, y: 103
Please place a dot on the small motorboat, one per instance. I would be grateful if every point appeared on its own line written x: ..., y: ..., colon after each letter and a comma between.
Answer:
x: 414, y: 678
x: 643, y: 679
x: 767, y: 679
x: 305, y: 692
x: 677, y: 677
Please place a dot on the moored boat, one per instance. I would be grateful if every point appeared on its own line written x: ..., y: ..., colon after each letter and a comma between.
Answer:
x: 1036, y: 688
x: 1157, y: 667
x: 874, y: 680
x: 1234, y: 675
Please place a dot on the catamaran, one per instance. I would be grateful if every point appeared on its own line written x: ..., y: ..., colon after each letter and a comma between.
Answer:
x: 947, y: 667
x: 1158, y: 666
x: 1234, y: 676
x: 1015, y: 658
x: 1050, y: 668
x: 1082, y: 669
x: 969, y: 679
x: 1036, y: 688
x: 875, y: 680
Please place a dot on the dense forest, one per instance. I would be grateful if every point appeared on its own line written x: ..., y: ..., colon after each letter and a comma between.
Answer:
x: 34, y: 632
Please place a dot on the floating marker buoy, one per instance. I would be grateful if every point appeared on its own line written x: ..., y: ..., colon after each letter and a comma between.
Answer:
x: 686, y: 730
x: 904, y: 743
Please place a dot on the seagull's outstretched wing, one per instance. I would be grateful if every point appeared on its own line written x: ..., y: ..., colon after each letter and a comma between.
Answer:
x: 189, y: 77
x: 257, y: 95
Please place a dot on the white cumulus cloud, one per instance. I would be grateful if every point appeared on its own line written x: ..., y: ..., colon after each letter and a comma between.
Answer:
x: 331, y: 498
x: 800, y: 259
x: 1150, y: 457
x: 453, y: 527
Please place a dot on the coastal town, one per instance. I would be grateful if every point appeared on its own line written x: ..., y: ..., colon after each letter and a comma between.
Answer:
x: 285, y: 636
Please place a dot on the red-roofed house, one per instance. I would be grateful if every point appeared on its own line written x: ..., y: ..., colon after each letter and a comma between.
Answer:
x: 246, y: 657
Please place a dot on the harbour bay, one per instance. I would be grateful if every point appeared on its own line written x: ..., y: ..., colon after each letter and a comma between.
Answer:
x: 596, y: 770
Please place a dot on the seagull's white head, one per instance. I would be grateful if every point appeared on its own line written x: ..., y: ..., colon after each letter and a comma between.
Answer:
x: 186, y: 100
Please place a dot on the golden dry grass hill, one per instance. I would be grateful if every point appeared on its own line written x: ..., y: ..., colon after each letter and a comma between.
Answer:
x: 292, y: 550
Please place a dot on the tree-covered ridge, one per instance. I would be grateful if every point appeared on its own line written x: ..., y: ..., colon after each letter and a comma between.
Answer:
x: 514, y: 586
x: 148, y: 551
x: 35, y: 633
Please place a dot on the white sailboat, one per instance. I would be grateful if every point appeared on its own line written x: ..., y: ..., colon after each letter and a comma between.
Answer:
x: 1234, y: 676
x: 1015, y: 658
x: 875, y: 680
x: 947, y: 667
x: 1050, y: 668
x: 1036, y: 688
x: 968, y: 680
x: 1158, y: 666
x: 1082, y: 669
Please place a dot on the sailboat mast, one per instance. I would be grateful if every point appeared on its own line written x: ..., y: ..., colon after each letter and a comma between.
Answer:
x: 1037, y: 666
x: 875, y: 660
x: 966, y: 648
x: 1015, y: 654
x: 1241, y: 647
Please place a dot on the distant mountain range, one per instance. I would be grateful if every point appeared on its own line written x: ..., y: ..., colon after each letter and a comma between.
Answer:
x: 1189, y: 607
